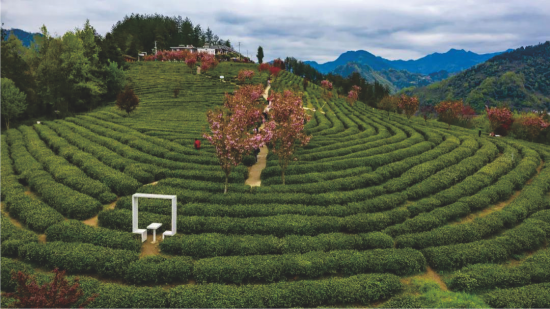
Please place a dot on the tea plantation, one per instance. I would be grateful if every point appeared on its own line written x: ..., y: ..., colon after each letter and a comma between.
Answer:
x: 375, y: 212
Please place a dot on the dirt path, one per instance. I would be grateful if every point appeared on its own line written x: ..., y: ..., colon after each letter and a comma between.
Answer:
x: 198, y: 70
x: 93, y: 221
x: 150, y: 248
x: 256, y: 170
x: 430, y: 274
x: 12, y: 220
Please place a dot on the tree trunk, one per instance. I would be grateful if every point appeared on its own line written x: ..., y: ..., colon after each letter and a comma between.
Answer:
x: 7, y: 124
x: 226, y: 180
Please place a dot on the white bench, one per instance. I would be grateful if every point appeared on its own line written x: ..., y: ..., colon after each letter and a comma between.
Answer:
x: 167, y: 233
x: 143, y: 234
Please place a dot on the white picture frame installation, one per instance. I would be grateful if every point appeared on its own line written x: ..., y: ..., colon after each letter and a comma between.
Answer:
x: 135, y: 212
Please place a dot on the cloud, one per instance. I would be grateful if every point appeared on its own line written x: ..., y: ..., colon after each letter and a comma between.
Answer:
x: 317, y: 30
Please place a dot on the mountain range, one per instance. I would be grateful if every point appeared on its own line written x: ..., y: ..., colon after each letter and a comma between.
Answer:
x: 452, y: 61
x: 26, y: 37
x: 519, y: 79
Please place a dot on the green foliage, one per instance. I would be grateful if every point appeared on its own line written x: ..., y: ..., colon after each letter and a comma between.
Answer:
x: 80, y: 258
x: 76, y: 231
x: 530, y: 296
x: 13, y: 101
x: 158, y: 270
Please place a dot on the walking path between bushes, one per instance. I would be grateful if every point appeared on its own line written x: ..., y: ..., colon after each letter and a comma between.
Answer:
x: 255, y: 171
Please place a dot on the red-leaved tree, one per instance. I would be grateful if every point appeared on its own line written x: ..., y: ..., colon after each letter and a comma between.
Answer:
x: 467, y: 113
x: 449, y: 111
x: 409, y: 105
x: 279, y: 63
x: 427, y: 111
x: 264, y: 67
x: 55, y: 294
x: 274, y: 71
x: 500, y: 118
x: 127, y: 100
x: 245, y: 75
x: 233, y: 132
x: 533, y: 125
x: 285, y: 128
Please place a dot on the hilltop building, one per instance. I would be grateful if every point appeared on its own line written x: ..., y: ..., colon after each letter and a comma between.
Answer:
x: 207, y: 48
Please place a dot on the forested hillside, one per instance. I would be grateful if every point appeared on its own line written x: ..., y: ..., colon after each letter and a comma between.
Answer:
x: 520, y: 79
x: 138, y: 33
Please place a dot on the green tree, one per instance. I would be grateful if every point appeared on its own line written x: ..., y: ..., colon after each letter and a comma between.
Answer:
x: 260, y: 55
x: 116, y: 79
x: 13, y: 101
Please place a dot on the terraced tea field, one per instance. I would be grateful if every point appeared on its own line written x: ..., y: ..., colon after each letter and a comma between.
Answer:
x: 375, y: 212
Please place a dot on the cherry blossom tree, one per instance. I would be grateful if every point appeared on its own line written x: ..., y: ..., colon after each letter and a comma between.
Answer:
x: 500, y: 118
x: 233, y: 132
x: 191, y: 61
x: 285, y: 128
x: 409, y: 105
x: 449, y: 111
x: 55, y: 294
x: 327, y: 86
x: 353, y: 94
x: 245, y: 75
x: 279, y: 63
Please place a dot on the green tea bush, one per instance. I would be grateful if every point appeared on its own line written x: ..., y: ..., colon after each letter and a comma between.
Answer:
x: 530, y: 296
x: 158, y: 270
x: 76, y: 231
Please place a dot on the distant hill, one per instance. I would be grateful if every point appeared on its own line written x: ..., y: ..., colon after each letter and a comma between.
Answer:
x: 394, y: 79
x: 452, y: 61
x: 365, y: 71
x: 26, y: 37
x: 520, y: 78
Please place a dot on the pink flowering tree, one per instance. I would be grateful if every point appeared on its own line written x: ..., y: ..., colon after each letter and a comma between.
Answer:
x: 353, y: 94
x: 327, y: 86
x: 233, y: 133
x: 208, y: 61
x: 191, y: 61
x: 285, y: 128
x: 501, y: 119
x: 245, y: 75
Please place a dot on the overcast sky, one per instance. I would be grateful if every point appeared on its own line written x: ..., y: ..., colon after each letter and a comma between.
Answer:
x: 313, y: 29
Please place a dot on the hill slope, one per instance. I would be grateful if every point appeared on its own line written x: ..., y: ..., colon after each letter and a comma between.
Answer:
x: 520, y: 78
x: 373, y: 207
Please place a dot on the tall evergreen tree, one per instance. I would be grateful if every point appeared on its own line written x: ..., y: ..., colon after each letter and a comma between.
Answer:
x: 260, y: 55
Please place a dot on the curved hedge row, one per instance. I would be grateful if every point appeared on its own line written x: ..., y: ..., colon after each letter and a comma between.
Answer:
x: 145, y: 143
x: 80, y: 138
x: 120, y: 183
x: 214, y: 244
x: 80, y: 258
x: 76, y: 231
x: 238, y: 269
x: 530, y: 296
x: 280, y: 226
x: 530, y: 200
x: 157, y: 269
x: 483, y: 277
x: 36, y: 215
x: 67, y: 201
x: 14, y: 237
x: 62, y: 171
x: 530, y: 235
